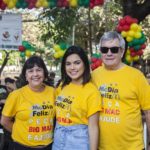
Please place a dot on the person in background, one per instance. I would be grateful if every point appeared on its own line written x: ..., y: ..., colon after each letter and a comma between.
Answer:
x: 51, y: 79
x: 3, y: 95
x: 77, y: 104
x: 29, y: 111
x: 10, y: 84
x: 125, y: 92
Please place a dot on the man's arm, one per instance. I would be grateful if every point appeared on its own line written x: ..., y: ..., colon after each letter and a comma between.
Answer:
x: 93, y: 127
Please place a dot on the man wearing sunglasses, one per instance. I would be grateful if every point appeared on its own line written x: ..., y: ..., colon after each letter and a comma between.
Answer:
x: 125, y: 92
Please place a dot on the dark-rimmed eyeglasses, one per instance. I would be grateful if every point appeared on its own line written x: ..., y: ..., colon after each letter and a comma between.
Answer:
x: 113, y: 50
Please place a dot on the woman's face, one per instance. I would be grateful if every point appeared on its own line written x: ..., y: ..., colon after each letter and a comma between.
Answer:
x: 35, y: 76
x: 74, y: 68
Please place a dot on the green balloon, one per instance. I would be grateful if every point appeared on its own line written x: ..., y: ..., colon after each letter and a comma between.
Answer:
x: 32, y: 49
x: 137, y: 47
x: 52, y: 3
x: 86, y: 3
x: 22, y: 54
x: 63, y: 46
x: 24, y: 43
x: 24, y: 5
x: 80, y: 3
x: 18, y: 5
x: 130, y: 44
x: 135, y: 42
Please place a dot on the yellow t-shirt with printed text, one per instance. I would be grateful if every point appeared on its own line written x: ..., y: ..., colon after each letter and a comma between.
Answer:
x: 124, y: 93
x: 34, y: 113
x: 75, y: 103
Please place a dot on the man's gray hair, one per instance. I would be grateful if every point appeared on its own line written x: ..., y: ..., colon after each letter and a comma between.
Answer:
x: 107, y: 36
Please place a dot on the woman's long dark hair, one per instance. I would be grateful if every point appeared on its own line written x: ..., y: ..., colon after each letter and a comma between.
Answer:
x: 65, y: 79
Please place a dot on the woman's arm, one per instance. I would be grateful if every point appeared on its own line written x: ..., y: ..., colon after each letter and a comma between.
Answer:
x: 7, y: 122
x: 93, y: 127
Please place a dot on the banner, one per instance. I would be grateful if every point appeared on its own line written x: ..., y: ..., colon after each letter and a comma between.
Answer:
x: 10, y: 31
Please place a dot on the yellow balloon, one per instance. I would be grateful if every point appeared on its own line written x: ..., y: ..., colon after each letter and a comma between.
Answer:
x: 6, y: 1
x: 40, y: 1
x: 11, y: 5
x: 131, y: 33
x: 124, y: 33
x: 128, y: 52
x: 136, y: 58
x: 56, y: 48
x: 45, y: 4
x: 61, y: 53
x: 28, y: 53
x: 56, y: 55
x: 15, y: 1
x: 129, y: 38
x: 134, y: 26
x: 38, y: 4
x: 139, y: 28
x: 129, y: 58
x: 73, y: 3
x: 137, y: 35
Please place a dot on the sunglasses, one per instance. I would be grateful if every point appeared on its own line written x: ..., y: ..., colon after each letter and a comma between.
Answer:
x: 113, y: 50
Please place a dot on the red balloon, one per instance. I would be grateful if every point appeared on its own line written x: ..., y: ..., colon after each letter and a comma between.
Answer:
x: 91, y: 5
x: 21, y: 48
x: 31, y: 5
x: 93, y: 66
x: 143, y: 46
x: 129, y: 20
x: 132, y: 49
x: 133, y: 54
x: 2, y: 5
x: 135, y: 20
x: 59, y: 3
x: 122, y: 22
x: 98, y: 2
x: 119, y: 28
x: 98, y: 63
x: 93, y: 59
x: 139, y: 52
x: 65, y: 3
x: 126, y: 27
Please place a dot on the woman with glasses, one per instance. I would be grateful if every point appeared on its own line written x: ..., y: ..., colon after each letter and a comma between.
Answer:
x: 77, y: 105
x: 125, y: 92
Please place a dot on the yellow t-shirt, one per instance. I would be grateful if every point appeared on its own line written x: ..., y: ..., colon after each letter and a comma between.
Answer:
x: 124, y: 93
x: 75, y: 103
x: 34, y: 113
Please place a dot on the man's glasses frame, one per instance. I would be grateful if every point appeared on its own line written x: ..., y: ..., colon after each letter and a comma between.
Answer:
x: 113, y: 50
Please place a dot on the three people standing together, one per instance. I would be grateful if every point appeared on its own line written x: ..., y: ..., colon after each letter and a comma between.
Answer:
x: 103, y: 110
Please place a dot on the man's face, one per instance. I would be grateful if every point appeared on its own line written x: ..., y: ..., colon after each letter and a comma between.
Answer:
x: 111, y: 54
